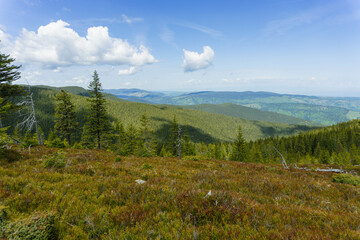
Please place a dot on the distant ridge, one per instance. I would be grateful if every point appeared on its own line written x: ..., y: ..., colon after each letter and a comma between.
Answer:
x: 321, y: 110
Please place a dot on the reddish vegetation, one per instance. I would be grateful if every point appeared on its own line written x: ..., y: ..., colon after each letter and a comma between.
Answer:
x: 93, y: 196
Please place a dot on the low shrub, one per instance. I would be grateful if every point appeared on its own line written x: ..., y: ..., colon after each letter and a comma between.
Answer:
x: 56, y: 160
x: 347, y: 178
x: 9, y: 155
x: 147, y: 166
x: 57, y: 143
x: 39, y: 226
x: 117, y: 159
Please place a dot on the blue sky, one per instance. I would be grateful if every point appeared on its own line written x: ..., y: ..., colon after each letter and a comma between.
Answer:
x: 286, y: 46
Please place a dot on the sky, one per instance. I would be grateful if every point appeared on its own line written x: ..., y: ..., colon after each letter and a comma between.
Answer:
x: 309, y: 47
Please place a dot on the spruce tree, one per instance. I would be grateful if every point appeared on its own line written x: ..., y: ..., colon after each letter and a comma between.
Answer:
x: 120, y: 140
x: 240, y: 150
x: 98, y: 123
x: 147, y: 145
x: 188, y: 146
x: 8, y: 74
x: 132, y: 139
x: 173, y: 138
x: 65, y: 124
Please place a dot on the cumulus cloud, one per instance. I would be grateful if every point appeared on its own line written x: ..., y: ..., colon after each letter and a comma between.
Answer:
x: 4, y: 39
x: 56, y: 44
x: 124, y: 72
x: 195, y: 61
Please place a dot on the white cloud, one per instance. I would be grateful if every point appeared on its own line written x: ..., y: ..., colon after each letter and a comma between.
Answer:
x: 78, y: 80
x: 195, y: 61
x: 127, y: 83
x: 131, y: 70
x: 31, y: 77
x: 2, y: 27
x: 56, y: 44
x: 57, y: 70
x: 130, y: 20
x: 4, y: 39
x: 236, y: 80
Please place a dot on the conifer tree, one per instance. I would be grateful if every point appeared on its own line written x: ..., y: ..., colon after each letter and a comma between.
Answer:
x: 98, y: 124
x: 8, y: 74
x: 239, y: 151
x: 216, y: 151
x: 188, y: 146
x: 147, y: 145
x: 65, y: 123
x: 132, y: 139
x: 120, y: 141
x: 173, y: 138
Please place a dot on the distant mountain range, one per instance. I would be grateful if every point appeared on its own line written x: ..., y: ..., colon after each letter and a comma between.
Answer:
x: 321, y: 110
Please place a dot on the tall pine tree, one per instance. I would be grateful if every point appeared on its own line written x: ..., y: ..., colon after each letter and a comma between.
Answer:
x: 65, y: 123
x: 147, y: 145
x: 8, y: 74
x: 240, y: 150
x: 173, y: 139
x: 98, y: 124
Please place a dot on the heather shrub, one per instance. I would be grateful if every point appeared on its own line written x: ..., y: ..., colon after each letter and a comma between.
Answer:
x: 147, y: 166
x: 9, y: 155
x: 38, y: 226
x: 56, y: 160
x: 347, y: 178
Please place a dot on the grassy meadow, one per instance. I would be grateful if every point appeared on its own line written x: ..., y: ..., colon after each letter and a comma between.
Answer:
x: 94, y: 194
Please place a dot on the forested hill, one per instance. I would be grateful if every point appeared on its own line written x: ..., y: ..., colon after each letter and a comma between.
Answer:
x: 322, y: 110
x: 248, y: 113
x: 338, y: 144
x: 202, y: 126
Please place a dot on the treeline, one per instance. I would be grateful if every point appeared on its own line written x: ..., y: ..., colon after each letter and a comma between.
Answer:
x: 338, y: 144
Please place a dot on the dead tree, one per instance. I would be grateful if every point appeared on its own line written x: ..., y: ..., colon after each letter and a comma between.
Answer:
x: 28, y: 115
x: 283, y: 159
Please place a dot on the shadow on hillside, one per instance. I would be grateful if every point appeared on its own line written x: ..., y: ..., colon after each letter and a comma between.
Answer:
x: 291, y: 130
x: 196, y: 135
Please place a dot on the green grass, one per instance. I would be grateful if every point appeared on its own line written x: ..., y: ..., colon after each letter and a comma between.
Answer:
x: 93, y: 197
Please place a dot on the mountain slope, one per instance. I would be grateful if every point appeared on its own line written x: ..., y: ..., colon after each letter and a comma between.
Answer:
x: 327, y: 115
x: 248, y: 113
x: 323, y: 110
x: 202, y: 126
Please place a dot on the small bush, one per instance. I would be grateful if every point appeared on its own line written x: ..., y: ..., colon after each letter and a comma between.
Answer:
x: 56, y: 160
x: 9, y: 155
x: 347, y: 178
x: 117, y: 159
x: 3, y: 216
x: 147, y: 166
x: 58, y: 143
x: 40, y: 226
x: 77, y: 146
